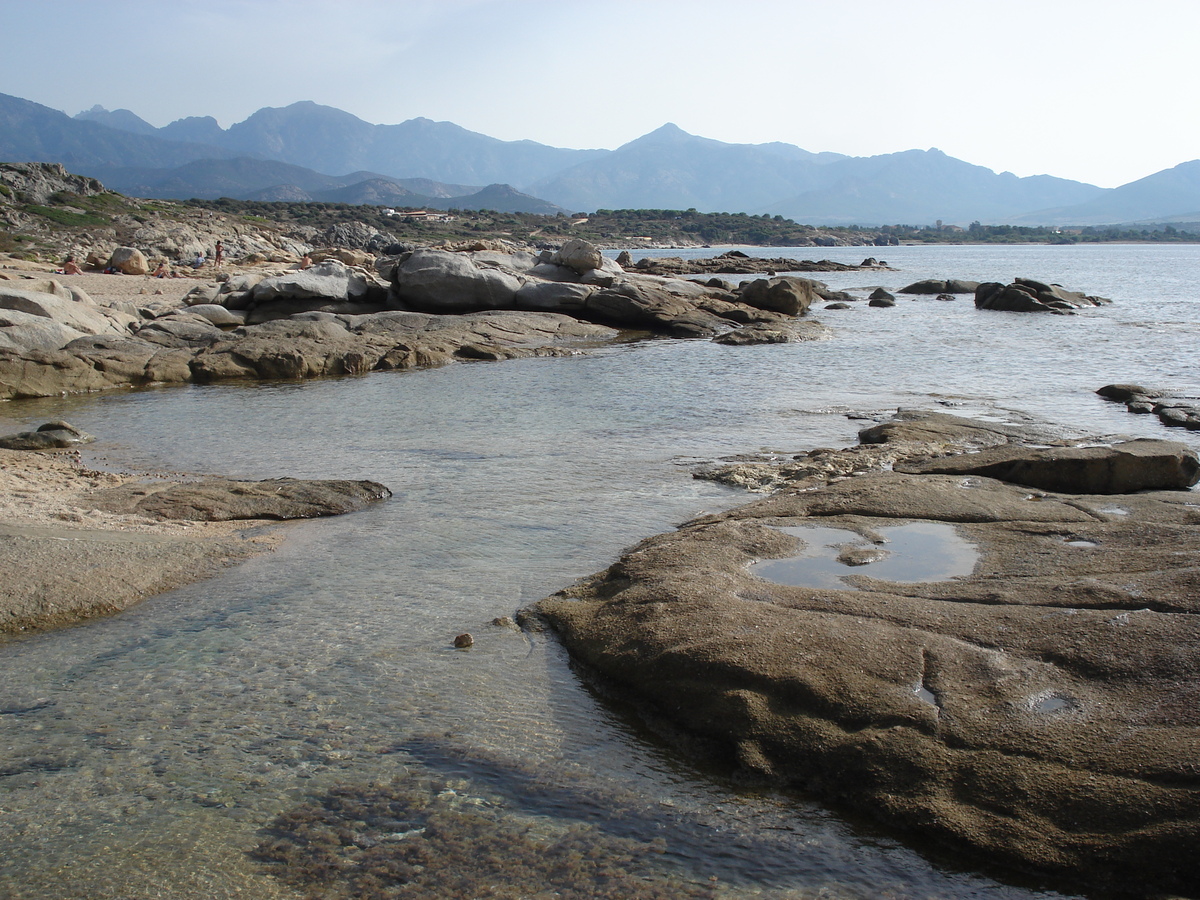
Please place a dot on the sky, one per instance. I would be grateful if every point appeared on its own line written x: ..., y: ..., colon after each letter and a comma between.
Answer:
x: 1101, y: 91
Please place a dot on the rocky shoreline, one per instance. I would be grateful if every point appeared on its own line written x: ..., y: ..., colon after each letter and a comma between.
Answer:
x: 422, y: 307
x: 1037, y: 709
x: 1035, y: 706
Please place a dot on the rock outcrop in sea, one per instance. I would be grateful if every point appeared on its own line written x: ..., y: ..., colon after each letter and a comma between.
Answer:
x: 1028, y: 295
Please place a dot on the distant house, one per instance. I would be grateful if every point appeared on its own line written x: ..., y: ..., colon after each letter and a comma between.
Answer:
x: 424, y: 215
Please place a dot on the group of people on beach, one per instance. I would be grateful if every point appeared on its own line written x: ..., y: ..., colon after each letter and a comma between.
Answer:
x: 71, y: 267
x: 199, y: 261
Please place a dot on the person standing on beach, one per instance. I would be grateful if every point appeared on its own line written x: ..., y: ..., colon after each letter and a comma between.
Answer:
x: 219, y: 255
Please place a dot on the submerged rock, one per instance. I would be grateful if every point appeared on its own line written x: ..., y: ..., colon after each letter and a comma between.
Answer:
x: 51, y: 436
x: 223, y: 500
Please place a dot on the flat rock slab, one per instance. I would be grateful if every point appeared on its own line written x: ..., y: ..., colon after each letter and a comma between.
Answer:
x: 1043, y: 711
x: 222, y: 500
x: 1141, y: 465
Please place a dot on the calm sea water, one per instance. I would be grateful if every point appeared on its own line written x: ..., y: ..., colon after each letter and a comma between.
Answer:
x: 144, y: 755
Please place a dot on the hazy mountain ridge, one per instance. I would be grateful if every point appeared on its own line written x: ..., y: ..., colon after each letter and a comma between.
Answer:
x: 30, y: 132
x: 326, y: 139
x: 924, y: 186
x: 1170, y: 195
x: 665, y: 169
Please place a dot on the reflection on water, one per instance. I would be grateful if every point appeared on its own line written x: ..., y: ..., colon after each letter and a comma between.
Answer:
x: 158, y: 753
x: 916, y: 552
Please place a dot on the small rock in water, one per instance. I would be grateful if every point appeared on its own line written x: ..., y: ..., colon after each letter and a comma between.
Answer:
x: 463, y: 641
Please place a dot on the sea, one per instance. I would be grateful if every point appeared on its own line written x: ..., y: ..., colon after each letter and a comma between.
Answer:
x: 301, y: 725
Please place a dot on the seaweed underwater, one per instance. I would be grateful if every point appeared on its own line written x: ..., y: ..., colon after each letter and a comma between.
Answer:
x: 474, y: 825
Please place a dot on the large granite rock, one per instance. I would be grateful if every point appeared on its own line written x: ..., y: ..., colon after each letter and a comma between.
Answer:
x: 552, y: 296
x: 299, y: 325
x: 1027, y: 295
x: 186, y: 346
x: 26, y: 331
x: 328, y: 280
x: 440, y: 281
x: 579, y: 255
x: 129, y: 261
x: 641, y: 304
x: 60, y: 309
x: 790, y: 296
x: 1035, y: 707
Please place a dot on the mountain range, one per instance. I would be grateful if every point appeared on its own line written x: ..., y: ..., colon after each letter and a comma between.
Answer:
x: 286, y: 154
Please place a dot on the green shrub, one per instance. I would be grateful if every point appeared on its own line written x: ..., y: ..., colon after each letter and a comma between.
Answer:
x: 66, y: 217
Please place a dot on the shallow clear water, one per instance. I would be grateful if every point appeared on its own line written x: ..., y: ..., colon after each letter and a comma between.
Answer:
x: 143, y: 755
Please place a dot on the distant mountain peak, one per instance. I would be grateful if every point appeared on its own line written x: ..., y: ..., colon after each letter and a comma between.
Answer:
x: 122, y: 119
x: 669, y: 131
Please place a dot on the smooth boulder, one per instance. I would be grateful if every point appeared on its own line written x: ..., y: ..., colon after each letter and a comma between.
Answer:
x: 790, y: 296
x: 129, y: 261
x: 441, y: 281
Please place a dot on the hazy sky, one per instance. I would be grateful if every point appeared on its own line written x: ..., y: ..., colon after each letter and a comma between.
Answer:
x: 1103, y: 91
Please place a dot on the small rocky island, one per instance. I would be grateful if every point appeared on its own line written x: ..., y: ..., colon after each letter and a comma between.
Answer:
x: 984, y: 644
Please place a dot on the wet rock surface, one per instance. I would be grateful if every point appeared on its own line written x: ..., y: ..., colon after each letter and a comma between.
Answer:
x: 51, y: 436
x: 222, y: 500
x: 1039, y: 711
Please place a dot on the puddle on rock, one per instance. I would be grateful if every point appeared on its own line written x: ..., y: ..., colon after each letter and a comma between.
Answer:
x: 1053, y: 703
x: 916, y: 552
x: 924, y: 694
